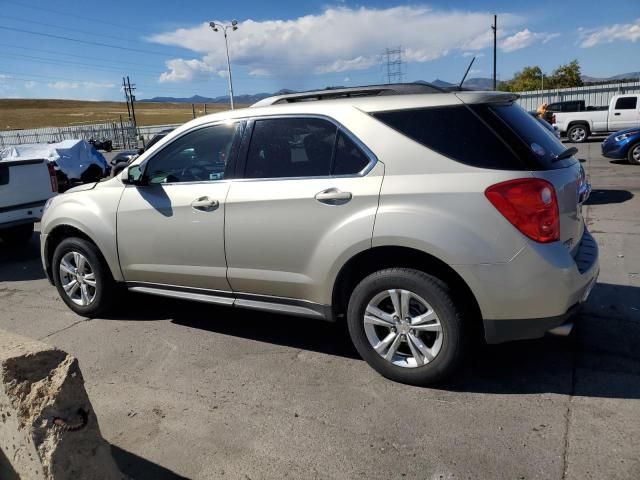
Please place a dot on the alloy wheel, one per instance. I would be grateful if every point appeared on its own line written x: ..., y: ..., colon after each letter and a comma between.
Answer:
x: 636, y: 154
x: 578, y: 134
x: 403, y: 328
x: 77, y: 278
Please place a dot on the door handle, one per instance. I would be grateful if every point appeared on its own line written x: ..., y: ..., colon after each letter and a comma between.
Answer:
x: 616, y: 114
x: 205, y: 204
x: 333, y: 196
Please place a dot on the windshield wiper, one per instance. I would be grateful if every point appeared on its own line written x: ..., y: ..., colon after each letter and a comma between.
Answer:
x: 569, y: 152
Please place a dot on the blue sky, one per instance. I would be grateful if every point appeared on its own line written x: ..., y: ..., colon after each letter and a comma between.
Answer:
x: 167, y: 48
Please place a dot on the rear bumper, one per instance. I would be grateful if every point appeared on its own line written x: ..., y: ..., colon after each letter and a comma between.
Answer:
x: 538, y: 290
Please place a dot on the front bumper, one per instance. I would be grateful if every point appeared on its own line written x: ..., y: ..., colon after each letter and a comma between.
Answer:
x: 538, y: 290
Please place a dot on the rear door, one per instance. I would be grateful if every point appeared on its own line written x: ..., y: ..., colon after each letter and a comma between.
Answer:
x: 25, y: 185
x: 625, y: 113
x: 309, y: 193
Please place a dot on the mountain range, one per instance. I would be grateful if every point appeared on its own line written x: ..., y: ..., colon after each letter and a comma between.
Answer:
x: 478, y: 83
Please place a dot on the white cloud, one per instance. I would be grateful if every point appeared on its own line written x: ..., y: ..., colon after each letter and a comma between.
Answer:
x: 63, y: 85
x: 339, y: 39
x: 624, y: 32
x: 525, y: 38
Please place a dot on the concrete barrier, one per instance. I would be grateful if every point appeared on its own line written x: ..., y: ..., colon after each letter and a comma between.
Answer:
x: 48, y: 429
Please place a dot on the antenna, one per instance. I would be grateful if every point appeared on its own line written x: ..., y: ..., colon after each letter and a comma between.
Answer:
x: 467, y: 72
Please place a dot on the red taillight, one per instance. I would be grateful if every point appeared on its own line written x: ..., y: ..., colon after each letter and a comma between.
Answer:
x: 530, y: 204
x: 553, y: 119
x: 53, y: 178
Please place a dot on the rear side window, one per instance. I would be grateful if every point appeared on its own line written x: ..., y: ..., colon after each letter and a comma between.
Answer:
x: 301, y: 147
x: 457, y: 133
x: 349, y: 159
x: 626, y: 103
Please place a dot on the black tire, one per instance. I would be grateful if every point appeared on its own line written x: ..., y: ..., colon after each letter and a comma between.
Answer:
x: 634, y: 154
x: 574, y: 136
x: 18, y: 235
x: 433, y: 291
x: 105, y: 284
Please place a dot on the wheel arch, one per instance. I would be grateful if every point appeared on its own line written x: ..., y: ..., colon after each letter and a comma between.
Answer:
x: 377, y: 258
x: 584, y: 123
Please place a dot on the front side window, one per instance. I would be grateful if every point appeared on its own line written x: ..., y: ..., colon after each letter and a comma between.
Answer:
x: 200, y: 155
x: 626, y: 103
x: 290, y: 147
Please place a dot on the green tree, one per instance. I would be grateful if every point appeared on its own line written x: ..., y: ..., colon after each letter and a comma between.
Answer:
x: 566, y: 76
x: 529, y: 78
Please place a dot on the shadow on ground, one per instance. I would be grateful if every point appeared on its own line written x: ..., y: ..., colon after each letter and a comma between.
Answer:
x: 21, y: 263
x: 605, y: 337
x: 6, y: 470
x: 140, y: 469
x: 605, y: 197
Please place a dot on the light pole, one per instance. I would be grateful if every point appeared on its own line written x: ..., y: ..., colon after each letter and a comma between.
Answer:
x: 216, y: 27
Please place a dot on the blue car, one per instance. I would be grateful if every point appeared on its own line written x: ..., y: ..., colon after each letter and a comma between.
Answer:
x: 623, y: 144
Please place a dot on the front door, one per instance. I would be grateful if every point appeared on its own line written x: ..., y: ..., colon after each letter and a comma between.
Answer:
x: 171, y: 229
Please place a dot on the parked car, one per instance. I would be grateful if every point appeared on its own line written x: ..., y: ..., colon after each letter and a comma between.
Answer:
x: 25, y: 186
x: 624, y: 144
x: 417, y: 219
x: 623, y: 112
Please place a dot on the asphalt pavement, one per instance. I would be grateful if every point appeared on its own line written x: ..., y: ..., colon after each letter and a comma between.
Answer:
x: 197, y: 391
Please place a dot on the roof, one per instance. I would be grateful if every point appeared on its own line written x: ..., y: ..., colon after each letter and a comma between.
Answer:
x: 351, y: 92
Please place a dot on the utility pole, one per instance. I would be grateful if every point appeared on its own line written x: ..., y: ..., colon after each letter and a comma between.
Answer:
x: 494, y: 27
x: 234, y: 26
x: 126, y: 96
x: 133, y: 99
x: 394, y: 65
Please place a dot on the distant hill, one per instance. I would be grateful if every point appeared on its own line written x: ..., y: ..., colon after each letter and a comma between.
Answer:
x: 239, y: 99
x: 622, y: 76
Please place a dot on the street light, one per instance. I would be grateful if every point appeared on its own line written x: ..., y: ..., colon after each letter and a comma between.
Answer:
x: 216, y: 28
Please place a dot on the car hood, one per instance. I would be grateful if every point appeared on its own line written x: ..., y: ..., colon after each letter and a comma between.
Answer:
x: 82, y: 188
x: 628, y: 130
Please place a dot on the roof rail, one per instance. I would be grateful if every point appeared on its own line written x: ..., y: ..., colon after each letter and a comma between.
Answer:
x: 350, y: 92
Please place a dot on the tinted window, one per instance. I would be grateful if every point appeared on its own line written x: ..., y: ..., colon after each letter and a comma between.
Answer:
x: 457, y: 133
x: 533, y: 143
x: 626, y: 103
x: 290, y: 147
x: 200, y: 155
x: 349, y: 159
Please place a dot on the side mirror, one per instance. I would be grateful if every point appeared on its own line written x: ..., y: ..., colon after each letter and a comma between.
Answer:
x: 133, y: 176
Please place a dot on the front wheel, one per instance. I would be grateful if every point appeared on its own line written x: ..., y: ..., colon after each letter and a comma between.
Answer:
x: 82, y: 277
x: 634, y: 154
x: 405, y: 325
x: 578, y: 134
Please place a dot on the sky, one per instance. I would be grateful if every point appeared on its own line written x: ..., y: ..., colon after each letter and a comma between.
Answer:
x: 81, y: 49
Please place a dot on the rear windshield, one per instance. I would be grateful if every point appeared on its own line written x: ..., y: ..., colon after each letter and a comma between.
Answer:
x: 503, y: 137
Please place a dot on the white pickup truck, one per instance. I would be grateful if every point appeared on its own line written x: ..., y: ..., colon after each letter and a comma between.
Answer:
x: 623, y: 112
x: 25, y: 186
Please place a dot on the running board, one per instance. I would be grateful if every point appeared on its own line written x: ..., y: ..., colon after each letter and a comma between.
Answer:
x: 286, y: 306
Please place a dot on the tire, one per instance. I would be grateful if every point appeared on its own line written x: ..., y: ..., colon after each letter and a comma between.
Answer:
x: 428, y: 296
x: 99, y: 297
x: 578, y: 133
x: 17, y: 236
x: 634, y: 154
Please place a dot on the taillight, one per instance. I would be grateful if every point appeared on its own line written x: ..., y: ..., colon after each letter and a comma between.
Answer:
x: 553, y: 119
x: 53, y: 178
x: 531, y: 205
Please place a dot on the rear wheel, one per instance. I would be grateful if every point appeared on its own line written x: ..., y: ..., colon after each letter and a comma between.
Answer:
x: 18, y: 235
x: 404, y: 324
x: 82, y: 277
x: 634, y: 154
x: 578, y: 133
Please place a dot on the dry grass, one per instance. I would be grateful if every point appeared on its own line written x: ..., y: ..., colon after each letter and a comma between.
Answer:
x: 22, y: 113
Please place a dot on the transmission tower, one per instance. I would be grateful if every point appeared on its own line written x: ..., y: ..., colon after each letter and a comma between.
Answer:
x: 394, y: 65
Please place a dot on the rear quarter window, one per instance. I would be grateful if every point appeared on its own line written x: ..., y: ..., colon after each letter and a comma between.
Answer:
x: 456, y: 132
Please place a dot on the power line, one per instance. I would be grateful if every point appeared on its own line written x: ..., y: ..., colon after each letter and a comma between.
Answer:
x: 67, y: 14
x: 88, y: 42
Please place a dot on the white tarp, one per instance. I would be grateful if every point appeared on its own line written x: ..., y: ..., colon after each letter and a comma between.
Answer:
x: 73, y: 157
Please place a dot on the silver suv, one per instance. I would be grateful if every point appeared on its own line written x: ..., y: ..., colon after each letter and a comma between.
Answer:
x: 417, y: 218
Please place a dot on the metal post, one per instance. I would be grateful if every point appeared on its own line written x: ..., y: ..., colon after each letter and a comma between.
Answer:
x: 125, y: 144
x: 193, y: 110
x: 226, y: 43
x: 126, y: 95
x: 133, y: 98
x: 205, y: 108
x: 494, y: 27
